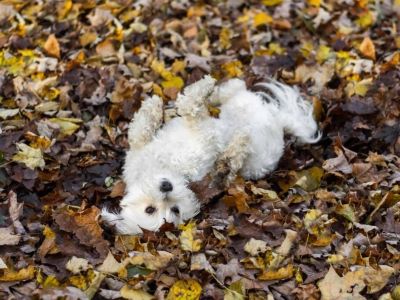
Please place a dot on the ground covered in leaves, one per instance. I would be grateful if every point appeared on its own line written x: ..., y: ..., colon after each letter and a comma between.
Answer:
x: 324, y: 225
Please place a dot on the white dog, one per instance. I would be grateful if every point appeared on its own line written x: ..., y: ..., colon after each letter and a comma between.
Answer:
x: 161, y: 162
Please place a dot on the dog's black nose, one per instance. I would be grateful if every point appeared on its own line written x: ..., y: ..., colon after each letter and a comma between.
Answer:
x: 166, y: 186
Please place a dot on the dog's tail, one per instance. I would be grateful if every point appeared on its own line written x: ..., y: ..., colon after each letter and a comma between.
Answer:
x: 295, y: 113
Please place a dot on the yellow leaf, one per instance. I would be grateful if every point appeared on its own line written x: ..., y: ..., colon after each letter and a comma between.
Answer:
x: 315, y: 3
x: 23, y: 274
x: 157, y: 90
x: 49, y: 93
x: 335, y: 259
x: 367, y: 48
x: 160, y: 69
x: 150, y: 261
x: 134, y: 294
x: 358, y: 87
x: 233, y: 68
x: 236, y: 291
x: 15, y: 65
x: 52, y: 47
x: 310, y: 219
x: 29, y: 156
x: 87, y: 38
x: 51, y: 281
x: 298, y: 277
x: 322, y: 240
x: 309, y: 179
x: 67, y: 125
x: 262, y: 18
x: 347, y: 211
x: 38, y: 142
x: 27, y: 53
x: 323, y: 53
x: 187, y: 240
x: 79, y: 281
x: 225, y: 38
x: 173, y: 82
x: 95, y: 282
x: 344, y: 54
x: 64, y: 9
x: 365, y: 20
x: 306, y: 49
x: 185, y: 289
x: 178, y: 66
x: 275, y: 48
x: 281, y: 273
x: 271, y: 2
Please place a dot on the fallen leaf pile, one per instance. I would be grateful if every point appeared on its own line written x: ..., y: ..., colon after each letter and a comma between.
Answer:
x: 324, y: 225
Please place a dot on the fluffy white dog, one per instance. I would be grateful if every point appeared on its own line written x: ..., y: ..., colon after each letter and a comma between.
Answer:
x: 164, y: 159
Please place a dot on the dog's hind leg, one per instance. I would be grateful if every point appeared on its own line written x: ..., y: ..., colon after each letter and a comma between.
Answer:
x: 145, y: 122
x: 191, y: 104
x: 232, y: 159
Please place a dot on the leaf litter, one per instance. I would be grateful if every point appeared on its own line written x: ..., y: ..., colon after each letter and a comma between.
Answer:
x: 324, y: 225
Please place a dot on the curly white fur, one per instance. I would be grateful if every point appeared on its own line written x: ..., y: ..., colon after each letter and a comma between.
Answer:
x: 160, y: 163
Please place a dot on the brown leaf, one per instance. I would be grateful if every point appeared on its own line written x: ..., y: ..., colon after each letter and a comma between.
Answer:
x: 338, y: 164
x: 84, y: 224
x: 15, y: 211
x: 105, y: 48
x: 7, y: 237
x: 118, y: 189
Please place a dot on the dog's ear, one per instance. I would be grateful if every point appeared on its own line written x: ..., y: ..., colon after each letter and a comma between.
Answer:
x: 145, y: 122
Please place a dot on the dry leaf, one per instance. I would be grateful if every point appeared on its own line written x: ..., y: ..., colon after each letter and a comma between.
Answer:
x: 255, y: 247
x: 134, y: 294
x: 281, y: 273
x: 150, y: 261
x: 367, y: 48
x: 52, y: 47
x: 20, y: 275
x: 185, y: 289
x: 84, y: 224
x: 262, y: 18
x: 7, y: 237
x: 77, y: 265
x: 67, y: 125
x: 31, y: 157
x: 187, y: 237
x: 110, y: 265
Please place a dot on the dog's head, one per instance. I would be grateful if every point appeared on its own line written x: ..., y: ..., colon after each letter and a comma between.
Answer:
x: 152, y: 200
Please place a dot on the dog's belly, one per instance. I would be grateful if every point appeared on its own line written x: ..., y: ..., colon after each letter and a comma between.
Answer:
x: 188, y: 149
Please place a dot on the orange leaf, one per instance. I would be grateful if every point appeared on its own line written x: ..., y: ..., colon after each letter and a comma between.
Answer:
x: 52, y: 47
x: 367, y: 48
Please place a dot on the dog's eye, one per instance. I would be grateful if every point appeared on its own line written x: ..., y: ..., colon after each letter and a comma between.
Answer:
x: 150, y: 210
x: 175, y: 210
